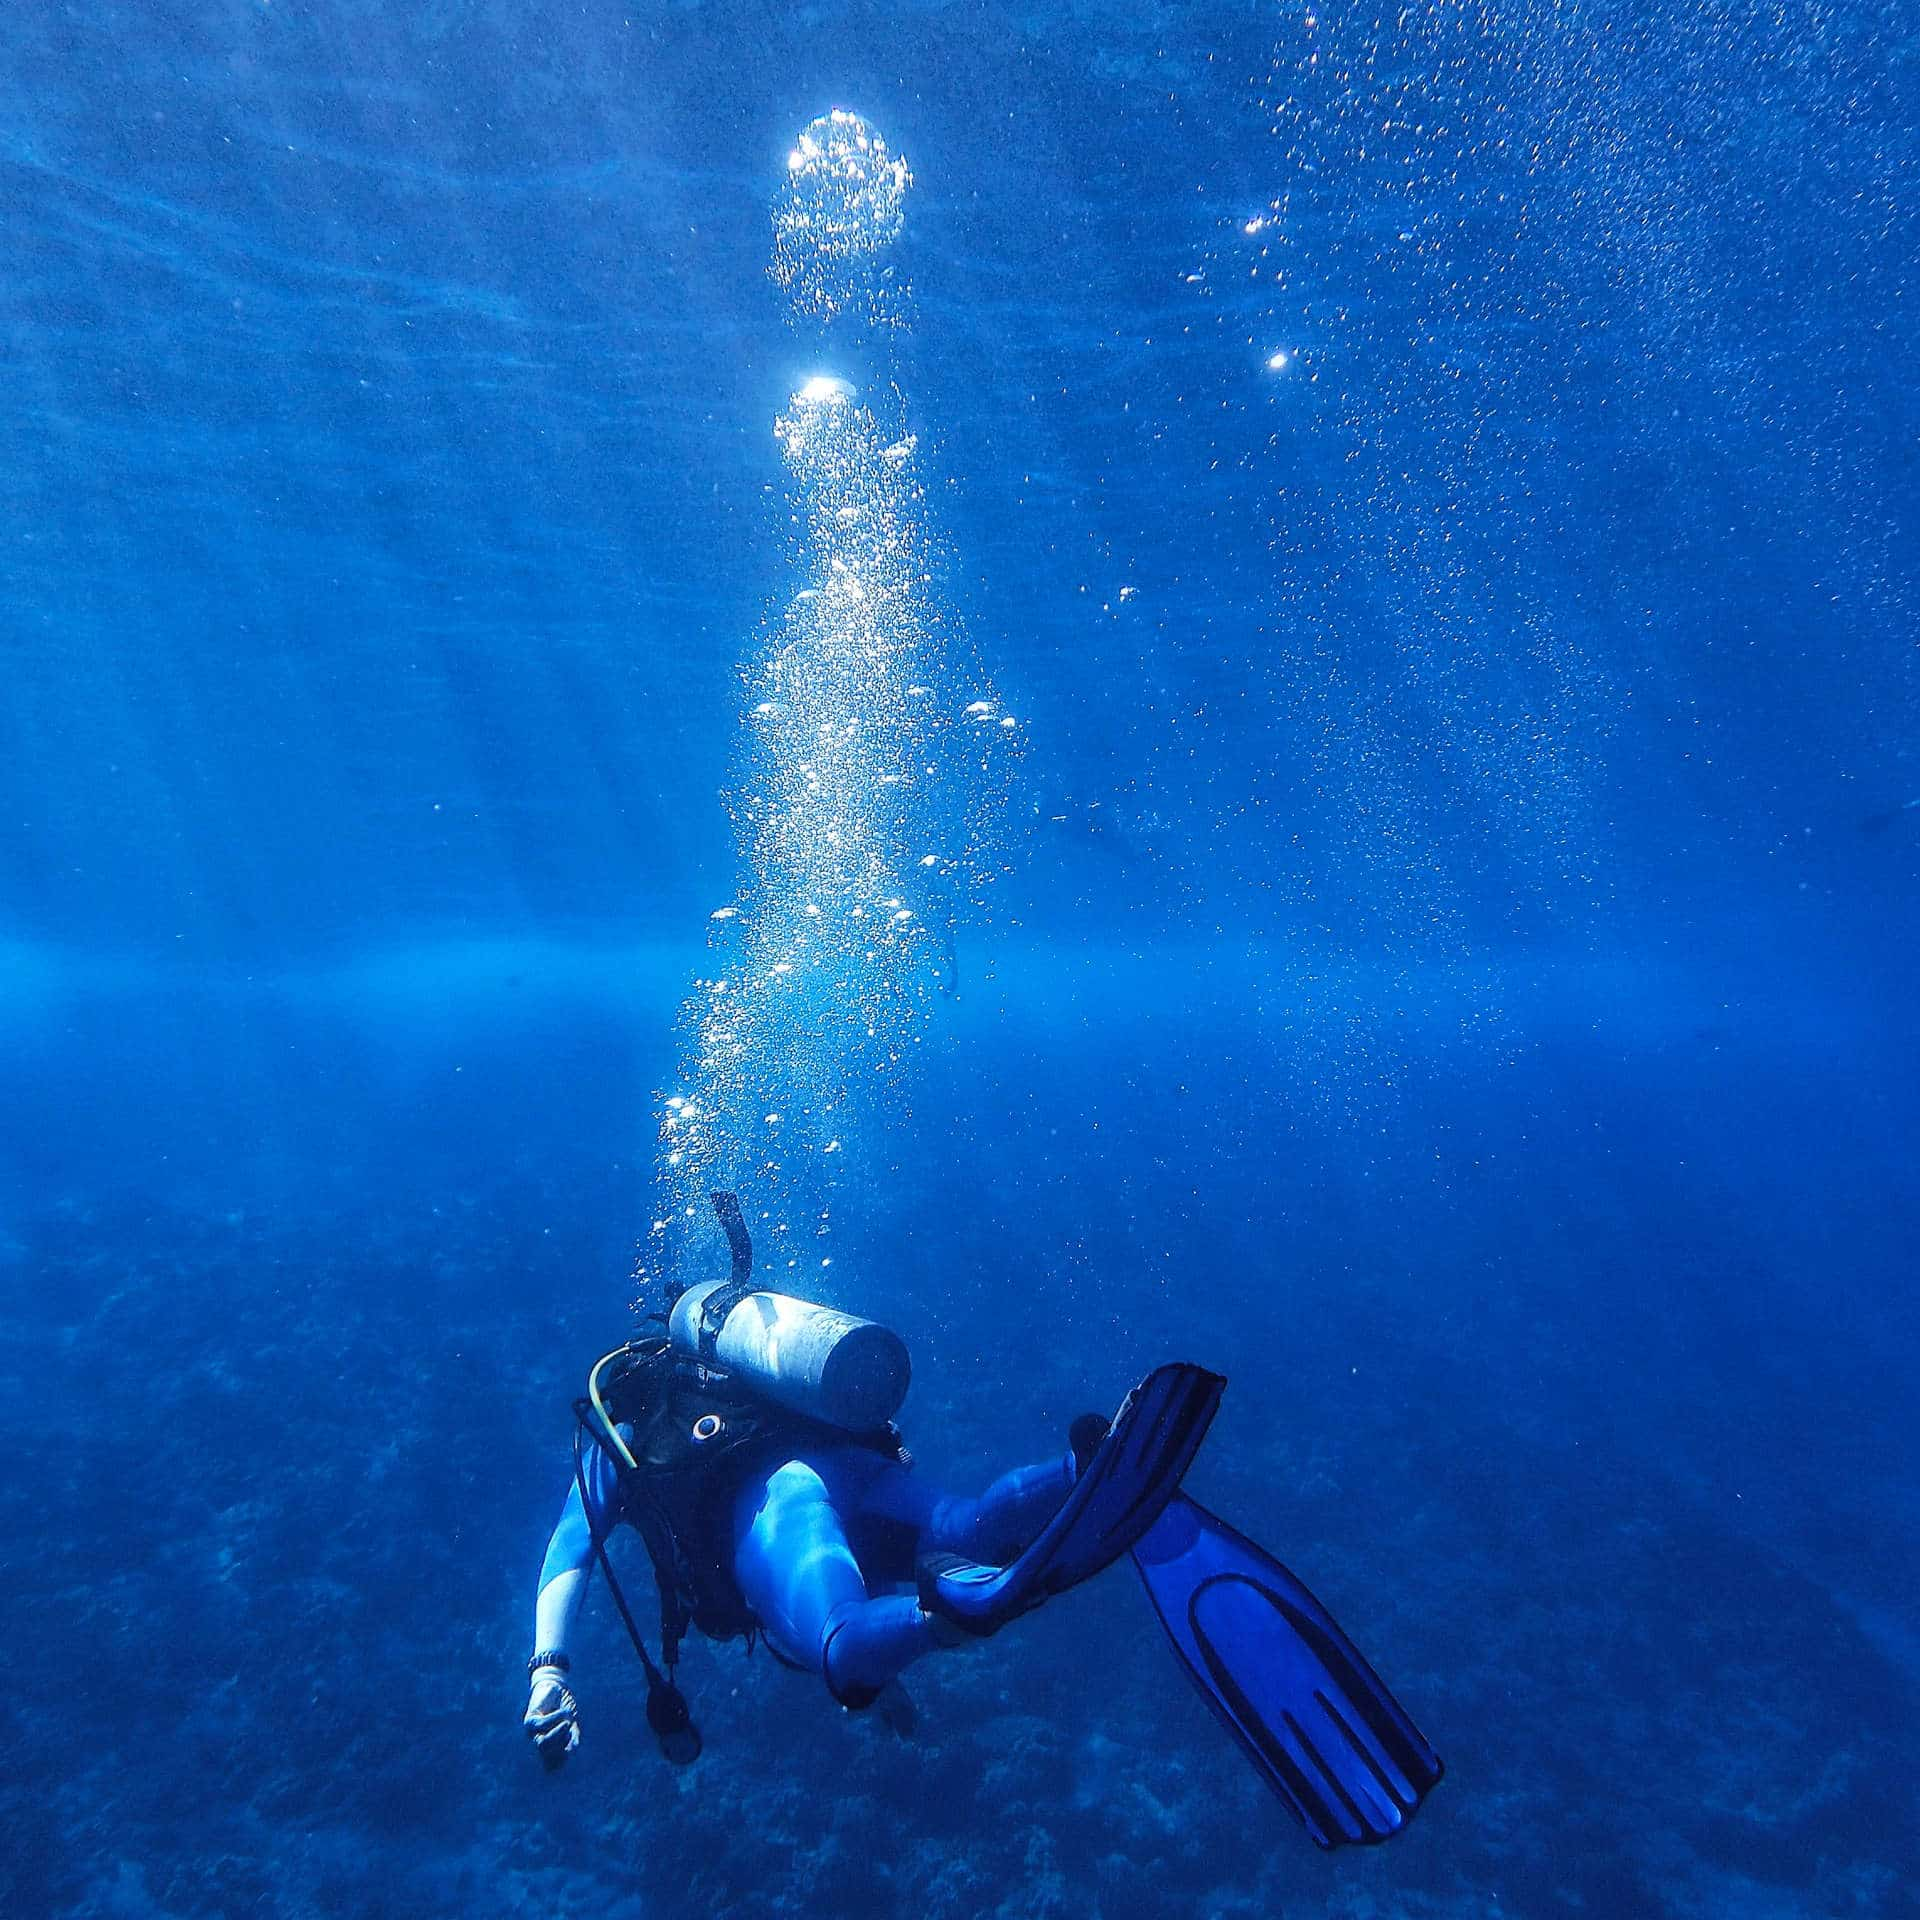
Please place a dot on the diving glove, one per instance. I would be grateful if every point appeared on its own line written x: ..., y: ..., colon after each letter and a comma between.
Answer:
x: 553, y: 1716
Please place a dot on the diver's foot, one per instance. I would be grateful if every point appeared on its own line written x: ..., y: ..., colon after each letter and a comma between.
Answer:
x: 935, y: 1577
x: 1130, y: 1473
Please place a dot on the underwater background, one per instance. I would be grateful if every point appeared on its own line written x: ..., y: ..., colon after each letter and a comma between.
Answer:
x: 1396, y: 814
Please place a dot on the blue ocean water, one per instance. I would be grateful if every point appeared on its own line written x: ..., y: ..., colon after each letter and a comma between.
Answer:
x: 1406, y: 519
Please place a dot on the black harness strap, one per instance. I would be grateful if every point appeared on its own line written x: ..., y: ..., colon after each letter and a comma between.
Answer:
x: 667, y: 1711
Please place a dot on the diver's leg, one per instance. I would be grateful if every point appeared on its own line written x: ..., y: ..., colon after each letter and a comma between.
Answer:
x: 1001, y: 1523
x: 993, y: 1527
x: 798, y: 1574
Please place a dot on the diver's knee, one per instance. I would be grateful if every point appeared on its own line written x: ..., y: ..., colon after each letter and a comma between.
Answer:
x: 793, y: 1482
x: 790, y: 1488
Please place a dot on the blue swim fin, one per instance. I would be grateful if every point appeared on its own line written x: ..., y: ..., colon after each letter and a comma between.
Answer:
x: 1290, y: 1687
x: 1122, y: 1491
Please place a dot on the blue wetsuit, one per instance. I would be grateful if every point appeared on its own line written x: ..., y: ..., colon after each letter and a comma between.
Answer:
x: 816, y: 1536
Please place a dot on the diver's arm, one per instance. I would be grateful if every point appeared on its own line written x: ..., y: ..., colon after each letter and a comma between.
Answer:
x: 563, y: 1577
x: 569, y: 1561
x: 552, y: 1719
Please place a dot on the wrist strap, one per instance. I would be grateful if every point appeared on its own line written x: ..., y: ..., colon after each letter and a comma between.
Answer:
x: 558, y: 1661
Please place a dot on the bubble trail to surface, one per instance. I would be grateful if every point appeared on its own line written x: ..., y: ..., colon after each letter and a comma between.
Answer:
x: 869, y: 769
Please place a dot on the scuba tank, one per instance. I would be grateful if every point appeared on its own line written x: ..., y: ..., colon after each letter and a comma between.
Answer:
x: 812, y: 1360
x: 817, y: 1362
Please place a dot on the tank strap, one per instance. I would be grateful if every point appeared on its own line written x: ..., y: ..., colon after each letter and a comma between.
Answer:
x: 739, y: 1283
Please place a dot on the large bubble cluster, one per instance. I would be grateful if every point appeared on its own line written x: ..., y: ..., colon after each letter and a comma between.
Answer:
x: 868, y: 781
x: 841, y: 206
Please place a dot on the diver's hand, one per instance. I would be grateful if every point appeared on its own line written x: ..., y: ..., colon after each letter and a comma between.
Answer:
x: 553, y: 1717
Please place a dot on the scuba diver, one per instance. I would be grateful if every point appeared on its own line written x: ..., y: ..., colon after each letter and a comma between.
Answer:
x: 752, y: 1448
